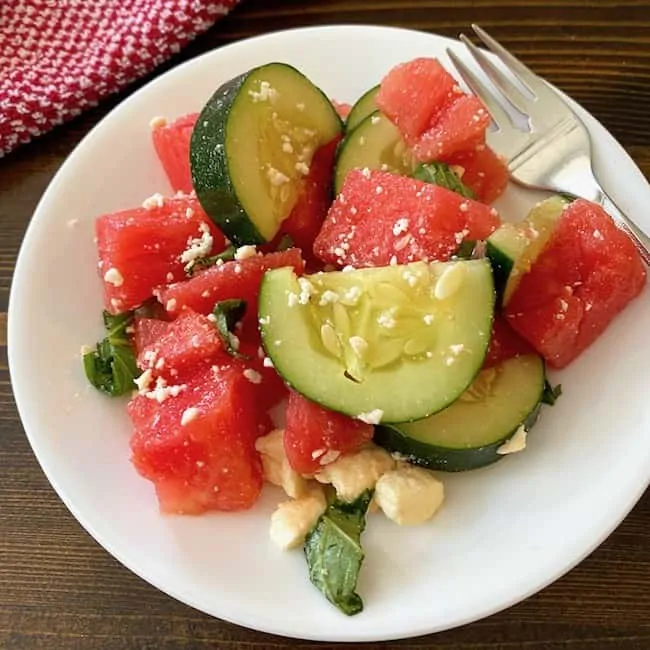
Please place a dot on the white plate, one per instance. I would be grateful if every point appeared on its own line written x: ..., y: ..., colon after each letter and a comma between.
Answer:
x: 505, y: 531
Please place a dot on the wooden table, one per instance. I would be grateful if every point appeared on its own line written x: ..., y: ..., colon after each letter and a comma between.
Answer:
x: 60, y: 590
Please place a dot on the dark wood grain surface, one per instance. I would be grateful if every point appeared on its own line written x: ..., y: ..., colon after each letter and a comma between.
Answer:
x: 60, y: 590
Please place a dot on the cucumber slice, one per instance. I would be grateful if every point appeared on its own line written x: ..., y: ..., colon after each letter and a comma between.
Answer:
x: 252, y: 145
x: 364, y: 106
x: 469, y: 433
x: 514, y: 247
x: 386, y: 344
x: 375, y: 143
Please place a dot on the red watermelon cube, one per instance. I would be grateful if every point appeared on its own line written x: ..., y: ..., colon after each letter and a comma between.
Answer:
x: 413, y: 94
x: 198, y: 447
x: 380, y: 218
x: 307, y: 216
x: 141, y: 249
x: 589, y: 271
x: 314, y: 435
x: 172, y: 144
x: 185, y: 344
x: 483, y: 171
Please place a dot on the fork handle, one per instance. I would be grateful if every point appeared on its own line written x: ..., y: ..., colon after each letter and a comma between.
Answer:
x: 638, y: 237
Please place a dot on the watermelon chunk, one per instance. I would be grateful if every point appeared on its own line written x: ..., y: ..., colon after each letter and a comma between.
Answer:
x: 187, y: 343
x: 435, y: 117
x: 172, y: 144
x: 588, y: 272
x: 505, y: 344
x: 312, y: 431
x: 460, y: 126
x: 198, y: 448
x: 140, y: 249
x: 307, y: 216
x: 342, y: 108
x: 484, y: 172
x: 236, y: 279
x: 380, y: 217
x: 413, y: 94
x: 147, y: 332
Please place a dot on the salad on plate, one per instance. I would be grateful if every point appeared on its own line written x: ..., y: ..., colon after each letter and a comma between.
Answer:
x: 330, y: 304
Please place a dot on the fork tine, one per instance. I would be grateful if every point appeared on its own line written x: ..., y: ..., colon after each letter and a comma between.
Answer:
x: 500, y: 117
x: 523, y: 73
x: 510, y: 92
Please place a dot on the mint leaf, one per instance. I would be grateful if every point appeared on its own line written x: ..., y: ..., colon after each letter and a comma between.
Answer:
x: 334, y: 554
x: 551, y: 394
x: 201, y: 263
x: 111, y: 367
x: 438, y: 173
x: 227, y: 314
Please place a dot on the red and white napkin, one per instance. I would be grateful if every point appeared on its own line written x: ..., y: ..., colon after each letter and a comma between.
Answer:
x: 60, y: 57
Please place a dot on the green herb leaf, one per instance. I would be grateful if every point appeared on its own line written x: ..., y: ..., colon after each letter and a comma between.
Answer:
x: 201, y: 263
x: 334, y: 554
x: 111, y: 367
x: 551, y: 394
x: 438, y: 173
x: 227, y: 314
x: 285, y: 243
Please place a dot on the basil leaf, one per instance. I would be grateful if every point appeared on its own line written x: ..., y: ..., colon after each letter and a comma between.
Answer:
x: 438, y: 173
x: 201, y: 263
x: 551, y: 394
x: 111, y: 367
x: 334, y: 554
x: 227, y: 314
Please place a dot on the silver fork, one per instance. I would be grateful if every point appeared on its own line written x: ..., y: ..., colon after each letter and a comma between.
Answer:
x: 553, y: 151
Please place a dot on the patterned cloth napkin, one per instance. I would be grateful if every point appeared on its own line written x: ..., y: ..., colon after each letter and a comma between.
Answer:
x: 60, y: 57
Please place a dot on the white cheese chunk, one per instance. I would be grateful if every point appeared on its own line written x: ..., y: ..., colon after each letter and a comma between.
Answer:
x: 292, y: 520
x: 409, y: 495
x: 276, y: 467
x: 352, y: 474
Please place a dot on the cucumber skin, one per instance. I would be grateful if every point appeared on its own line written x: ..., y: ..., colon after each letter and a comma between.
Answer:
x: 502, y: 266
x: 210, y: 169
x: 444, y: 459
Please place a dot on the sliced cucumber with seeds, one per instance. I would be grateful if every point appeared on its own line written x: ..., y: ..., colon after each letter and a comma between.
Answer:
x: 252, y: 145
x: 386, y: 344
x: 375, y: 143
x: 502, y: 402
x: 365, y: 105
x: 514, y: 247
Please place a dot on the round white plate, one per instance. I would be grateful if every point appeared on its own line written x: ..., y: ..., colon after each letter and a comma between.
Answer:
x: 504, y: 532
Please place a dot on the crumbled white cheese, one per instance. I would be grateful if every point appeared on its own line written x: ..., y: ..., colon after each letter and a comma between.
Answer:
x: 464, y: 207
x: 154, y: 201
x: 114, y: 277
x: 400, y: 226
x: 157, y: 122
x: 276, y: 177
x: 371, y: 417
x: 352, y: 474
x: 188, y: 415
x: 387, y: 319
x: 265, y: 320
x: 144, y: 381
x: 598, y: 234
x: 276, y: 467
x: 162, y: 391
x: 292, y: 520
x: 287, y: 147
x: 365, y: 172
x: 266, y: 93
x: 244, y: 252
x: 171, y: 304
x: 409, y: 495
x: 267, y: 362
x: 170, y: 277
x: 375, y: 119
x: 253, y: 376
x: 328, y: 297
x: 306, y: 290
x: 329, y: 457
x: 428, y: 319
x: 302, y: 168
x: 198, y: 247
x: 515, y: 444
x: 457, y: 348
x: 189, y: 213
x: 292, y: 299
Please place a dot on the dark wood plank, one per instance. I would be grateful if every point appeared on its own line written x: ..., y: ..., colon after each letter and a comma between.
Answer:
x: 59, y: 590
